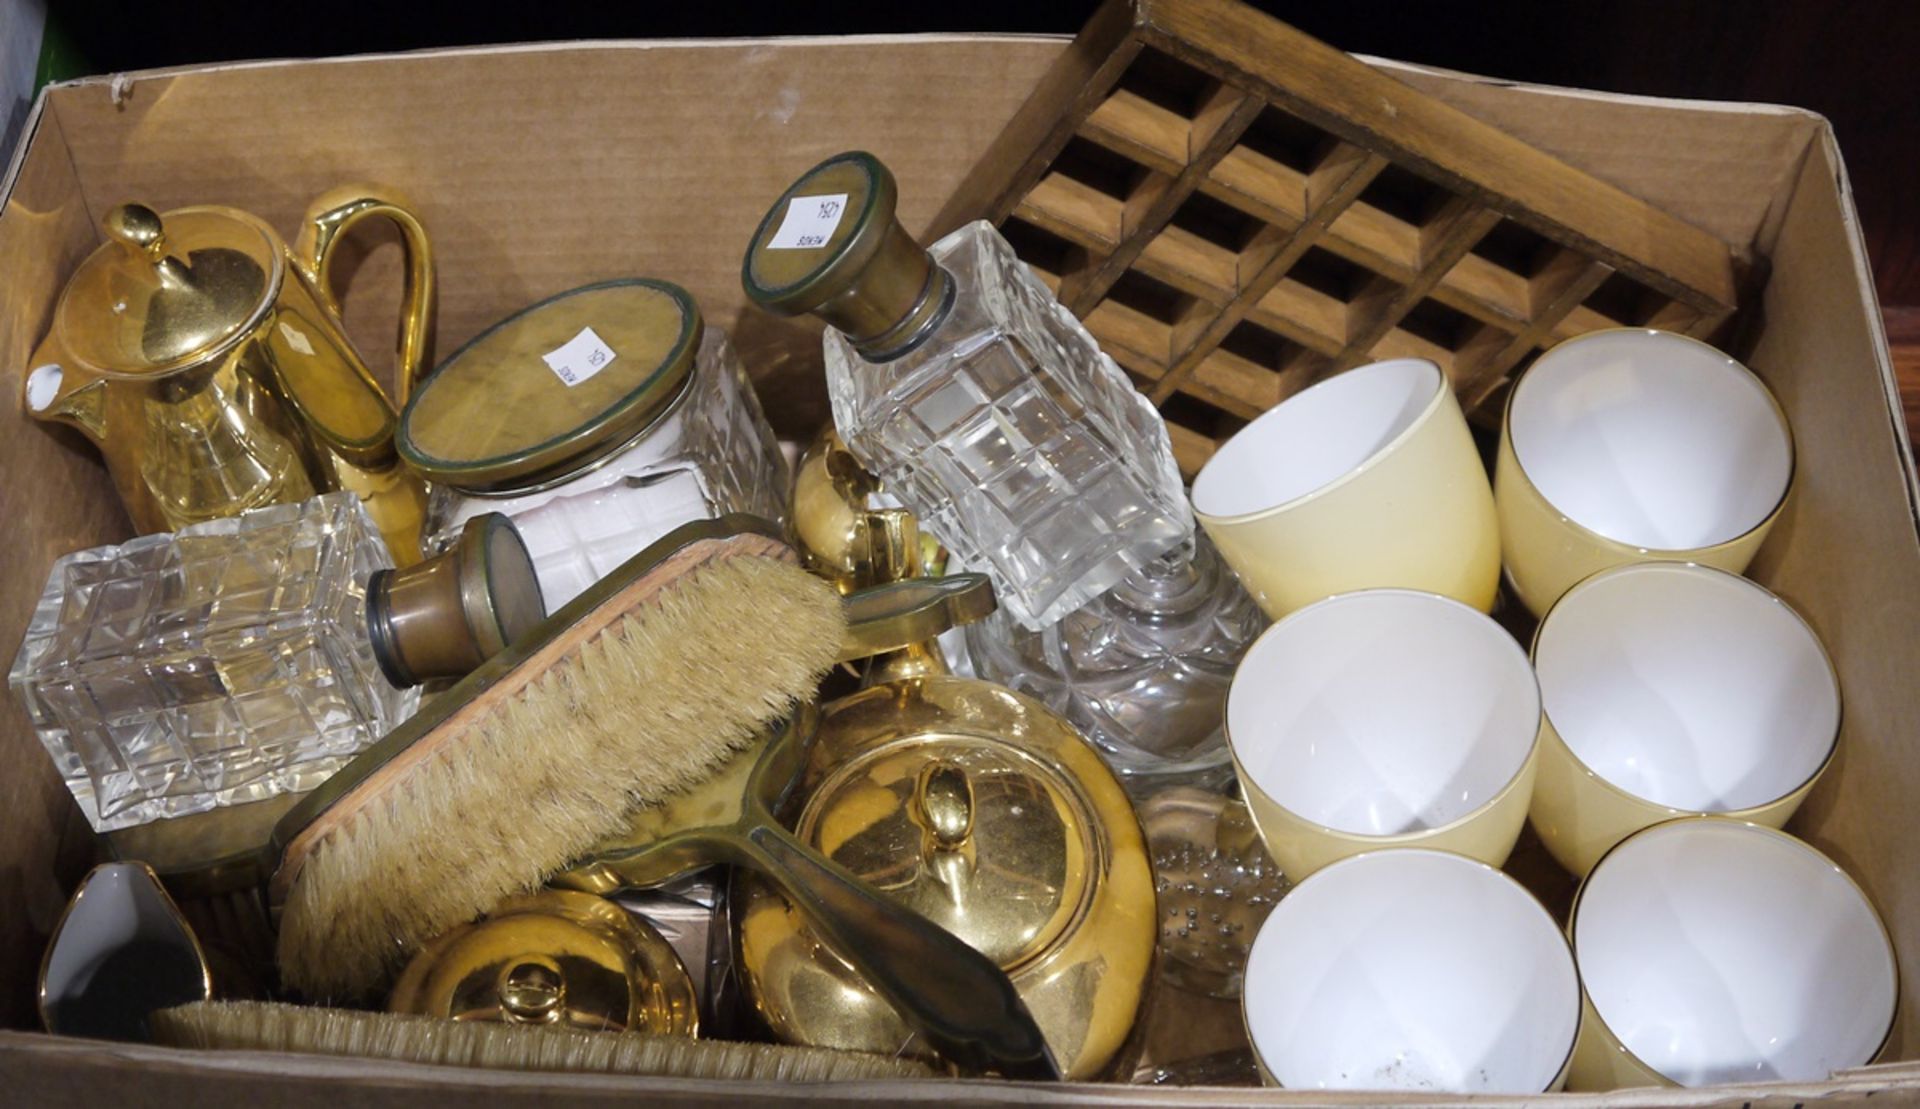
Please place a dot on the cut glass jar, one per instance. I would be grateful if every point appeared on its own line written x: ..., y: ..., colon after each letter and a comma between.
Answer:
x: 597, y: 420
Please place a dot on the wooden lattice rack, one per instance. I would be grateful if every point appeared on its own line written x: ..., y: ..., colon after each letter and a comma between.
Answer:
x: 1237, y: 210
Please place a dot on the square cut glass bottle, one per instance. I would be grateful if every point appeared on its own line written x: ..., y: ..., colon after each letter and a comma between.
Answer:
x: 224, y: 663
x: 963, y: 385
x: 1018, y: 442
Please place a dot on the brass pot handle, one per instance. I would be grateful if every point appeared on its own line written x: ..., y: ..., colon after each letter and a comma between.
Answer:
x: 332, y: 215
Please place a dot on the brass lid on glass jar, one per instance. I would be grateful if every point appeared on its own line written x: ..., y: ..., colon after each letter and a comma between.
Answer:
x: 167, y: 291
x: 832, y: 245
x: 444, y: 616
x: 553, y: 957
x: 554, y: 389
x: 986, y: 812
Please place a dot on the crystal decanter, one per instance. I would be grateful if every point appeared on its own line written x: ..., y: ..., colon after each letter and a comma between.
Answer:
x: 251, y: 656
x: 1142, y: 669
x: 963, y: 385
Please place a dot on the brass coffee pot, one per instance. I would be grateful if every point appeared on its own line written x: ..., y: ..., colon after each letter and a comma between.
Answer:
x: 207, y: 361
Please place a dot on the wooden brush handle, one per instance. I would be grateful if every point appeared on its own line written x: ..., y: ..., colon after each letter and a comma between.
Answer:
x: 956, y: 997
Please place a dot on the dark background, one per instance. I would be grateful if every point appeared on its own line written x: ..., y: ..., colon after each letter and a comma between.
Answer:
x: 1851, y: 60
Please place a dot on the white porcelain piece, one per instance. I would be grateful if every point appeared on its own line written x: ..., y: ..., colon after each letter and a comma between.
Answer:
x: 1385, y: 717
x: 1412, y: 970
x: 1651, y: 439
x: 1716, y: 951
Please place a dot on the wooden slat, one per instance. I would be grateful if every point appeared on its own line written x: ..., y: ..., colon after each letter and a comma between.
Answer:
x: 1191, y: 450
x: 1136, y: 128
x: 1073, y: 87
x: 1305, y: 315
x: 1363, y: 106
x: 1252, y: 66
x: 1234, y: 384
x: 1454, y: 230
x: 1367, y: 237
x: 1333, y: 185
x: 1191, y: 264
x: 1117, y: 326
x: 1258, y: 186
x: 1559, y: 288
x: 1074, y: 211
x: 1225, y: 116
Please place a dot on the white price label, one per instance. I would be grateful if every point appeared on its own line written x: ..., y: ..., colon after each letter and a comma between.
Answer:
x: 810, y: 222
x: 580, y: 357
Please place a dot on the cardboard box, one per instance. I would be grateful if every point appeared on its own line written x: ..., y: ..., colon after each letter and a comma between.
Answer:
x: 542, y: 168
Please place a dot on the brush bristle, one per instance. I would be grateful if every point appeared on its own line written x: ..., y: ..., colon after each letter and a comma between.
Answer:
x: 266, y: 1026
x: 647, y: 709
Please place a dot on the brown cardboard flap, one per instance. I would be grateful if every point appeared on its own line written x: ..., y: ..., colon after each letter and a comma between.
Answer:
x: 1844, y: 551
x: 54, y: 498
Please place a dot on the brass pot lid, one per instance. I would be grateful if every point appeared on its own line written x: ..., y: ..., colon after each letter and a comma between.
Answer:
x: 971, y: 832
x: 553, y: 957
x: 167, y: 291
x: 554, y: 387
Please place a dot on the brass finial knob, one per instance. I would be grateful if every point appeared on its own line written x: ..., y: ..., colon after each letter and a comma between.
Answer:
x: 944, y: 805
x: 137, y: 227
x: 533, y: 992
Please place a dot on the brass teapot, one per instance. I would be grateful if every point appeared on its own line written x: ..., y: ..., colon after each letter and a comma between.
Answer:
x: 207, y: 361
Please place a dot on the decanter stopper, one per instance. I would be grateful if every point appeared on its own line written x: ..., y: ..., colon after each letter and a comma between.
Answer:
x: 833, y: 246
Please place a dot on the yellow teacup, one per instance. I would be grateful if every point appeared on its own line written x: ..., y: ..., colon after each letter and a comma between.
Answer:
x: 1384, y: 718
x: 1369, y: 479
x: 1714, y: 951
x: 1634, y: 445
x: 1671, y: 689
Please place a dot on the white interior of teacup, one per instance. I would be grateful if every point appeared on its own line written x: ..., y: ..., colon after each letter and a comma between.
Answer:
x: 1723, y: 952
x: 1316, y: 437
x: 1411, y: 970
x: 1383, y: 712
x: 1651, y: 439
x: 1687, y: 686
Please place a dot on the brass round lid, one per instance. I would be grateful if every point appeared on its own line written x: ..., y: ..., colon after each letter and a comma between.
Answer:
x: 832, y: 245
x: 971, y: 832
x: 554, y: 387
x: 553, y: 957
x: 165, y: 292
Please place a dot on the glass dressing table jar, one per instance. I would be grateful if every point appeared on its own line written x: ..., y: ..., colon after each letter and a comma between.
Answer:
x: 597, y: 420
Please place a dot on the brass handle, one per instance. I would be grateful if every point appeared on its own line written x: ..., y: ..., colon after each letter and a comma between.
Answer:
x: 331, y: 216
x: 943, y: 807
x: 964, y: 1005
x: 532, y: 991
x: 902, y: 613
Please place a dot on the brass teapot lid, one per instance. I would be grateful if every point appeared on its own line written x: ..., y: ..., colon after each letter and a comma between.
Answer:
x: 165, y: 292
x: 555, y: 957
x: 982, y: 839
x: 554, y: 388
x: 832, y: 245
